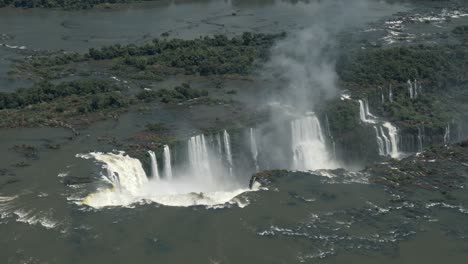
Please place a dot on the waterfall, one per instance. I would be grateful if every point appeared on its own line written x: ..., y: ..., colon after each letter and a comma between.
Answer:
x: 380, y: 142
x: 254, y: 149
x: 393, y: 136
x: 126, y: 174
x: 227, y: 149
x: 198, y: 157
x: 413, y: 89
x: 167, y: 163
x: 154, y: 166
x: 447, y: 134
x: 420, y: 140
x: 382, y: 98
x: 390, y: 94
x: 410, y: 89
x: 218, y: 141
x: 386, y: 141
x: 364, y: 112
x: 308, y: 145
x: 328, y: 126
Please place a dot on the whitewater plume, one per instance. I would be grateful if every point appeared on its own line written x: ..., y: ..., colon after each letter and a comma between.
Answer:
x: 124, y: 173
x: 201, y: 180
x: 420, y: 139
x: 198, y: 157
x: 364, y: 112
x: 447, y: 134
x: 387, y: 143
x: 227, y: 149
x: 167, y: 163
x: 393, y: 137
x: 254, y: 149
x: 154, y: 165
x: 380, y: 142
x: 308, y: 145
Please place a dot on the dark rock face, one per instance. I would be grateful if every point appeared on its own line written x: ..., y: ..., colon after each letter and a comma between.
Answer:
x: 442, y: 168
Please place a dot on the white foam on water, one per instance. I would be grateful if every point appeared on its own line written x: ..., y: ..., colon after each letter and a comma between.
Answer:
x: 10, y: 210
x: 205, y: 182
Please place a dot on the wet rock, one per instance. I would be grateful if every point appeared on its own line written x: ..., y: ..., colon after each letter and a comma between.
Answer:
x: 265, y: 178
x: 442, y: 168
x: 74, y: 180
x: 27, y: 151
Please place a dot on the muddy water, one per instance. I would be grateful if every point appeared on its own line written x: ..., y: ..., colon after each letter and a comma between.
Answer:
x: 300, y: 219
x: 80, y: 30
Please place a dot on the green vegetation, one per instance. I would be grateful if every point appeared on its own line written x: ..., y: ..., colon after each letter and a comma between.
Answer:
x: 215, y: 55
x: 46, y: 92
x: 441, y: 70
x: 440, y: 66
x: 48, y: 104
x: 178, y: 94
x: 343, y: 116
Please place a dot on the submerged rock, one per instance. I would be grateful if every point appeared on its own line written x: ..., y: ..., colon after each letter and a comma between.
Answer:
x: 442, y: 168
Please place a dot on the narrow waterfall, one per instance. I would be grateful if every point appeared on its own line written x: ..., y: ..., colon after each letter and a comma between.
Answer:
x: 414, y: 89
x: 410, y: 89
x: 254, y: 149
x: 386, y: 141
x: 167, y: 163
x: 199, y: 158
x: 368, y: 113
x: 447, y: 134
x: 154, y: 166
x: 390, y: 94
x: 393, y: 136
x: 308, y: 145
x: 218, y: 141
x: 420, y: 139
x: 328, y: 126
x: 380, y: 142
x: 364, y: 113
x: 227, y: 149
x: 382, y: 98
x: 126, y: 174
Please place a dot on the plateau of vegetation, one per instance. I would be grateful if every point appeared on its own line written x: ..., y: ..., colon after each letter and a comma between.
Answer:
x: 216, y: 55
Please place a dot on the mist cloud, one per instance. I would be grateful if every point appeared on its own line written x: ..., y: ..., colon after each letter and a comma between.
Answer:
x: 302, y: 66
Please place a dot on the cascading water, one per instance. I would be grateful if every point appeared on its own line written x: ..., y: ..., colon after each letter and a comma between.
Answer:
x: 154, y: 165
x: 380, y: 142
x: 308, y: 145
x: 390, y: 94
x: 420, y: 139
x: 447, y: 134
x: 364, y: 112
x: 393, y: 136
x: 199, y: 158
x: 382, y: 98
x: 167, y: 163
x: 414, y: 89
x: 124, y: 173
x: 254, y: 149
x: 410, y: 89
x: 227, y: 149
x: 218, y: 141
x: 203, y: 181
x: 388, y: 146
x: 386, y: 141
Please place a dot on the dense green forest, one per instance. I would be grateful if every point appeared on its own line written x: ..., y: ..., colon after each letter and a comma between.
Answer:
x: 204, y: 56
